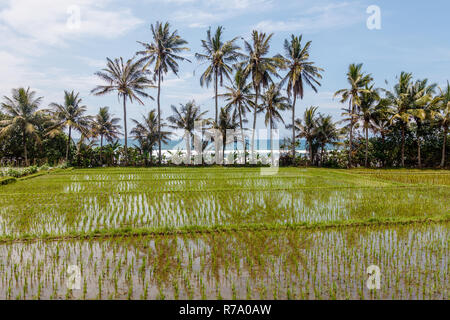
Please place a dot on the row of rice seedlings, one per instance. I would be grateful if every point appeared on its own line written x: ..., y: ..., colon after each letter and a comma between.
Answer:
x: 331, y: 264
x: 61, y: 214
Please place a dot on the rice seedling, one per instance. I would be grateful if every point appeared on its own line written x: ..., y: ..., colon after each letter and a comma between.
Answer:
x: 225, y: 233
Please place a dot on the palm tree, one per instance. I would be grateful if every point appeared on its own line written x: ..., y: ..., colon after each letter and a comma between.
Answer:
x: 106, y: 126
x: 164, y: 53
x: 261, y: 69
x: 300, y: 70
x: 369, y: 104
x: 307, y: 128
x: 71, y: 115
x: 443, y: 118
x: 129, y: 80
x: 422, y: 109
x: 400, y: 99
x: 358, y: 81
x: 185, y: 118
x: 326, y: 133
x: 239, y: 95
x: 219, y: 55
x: 148, y: 133
x: 228, y: 120
x: 22, y: 113
x: 274, y: 103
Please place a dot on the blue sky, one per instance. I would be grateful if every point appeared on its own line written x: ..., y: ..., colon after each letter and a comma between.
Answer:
x: 39, y: 48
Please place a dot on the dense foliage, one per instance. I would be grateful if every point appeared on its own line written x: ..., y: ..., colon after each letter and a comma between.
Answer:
x: 402, y: 126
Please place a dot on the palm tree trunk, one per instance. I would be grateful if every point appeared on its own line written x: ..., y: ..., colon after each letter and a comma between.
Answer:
x: 101, y: 150
x: 216, y: 93
x: 242, y: 133
x: 310, y: 151
x: 322, y: 153
x: 293, y: 129
x: 125, y: 128
x: 367, y: 146
x: 351, y: 135
x: 403, y: 145
x: 159, y: 118
x: 68, y: 144
x: 419, y: 158
x: 443, y: 147
x: 271, y: 145
x: 151, y: 156
x: 188, y: 148
x: 25, y: 148
x: 254, y: 126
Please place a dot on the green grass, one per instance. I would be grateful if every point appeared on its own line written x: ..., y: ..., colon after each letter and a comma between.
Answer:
x: 192, y: 233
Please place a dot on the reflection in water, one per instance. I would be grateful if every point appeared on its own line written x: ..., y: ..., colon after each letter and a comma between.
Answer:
x: 327, y: 264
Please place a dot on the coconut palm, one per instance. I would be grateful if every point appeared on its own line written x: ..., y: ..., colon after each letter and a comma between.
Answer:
x: 307, y: 128
x: 301, y: 71
x: 105, y: 126
x: 148, y: 133
x: 21, y: 113
x: 370, y: 102
x: 358, y: 81
x: 261, y: 68
x: 240, y: 96
x: 164, y: 53
x: 274, y: 103
x: 443, y: 118
x: 422, y: 109
x: 70, y: 115
x: 326, y: 133
x: 400, y: 100
x: 228, y: 120
x: 185, y: 118
x: 129, y: 81
x: 219, y: 55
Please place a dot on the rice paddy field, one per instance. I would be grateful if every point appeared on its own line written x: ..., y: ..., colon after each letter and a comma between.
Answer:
x: 226, y: 233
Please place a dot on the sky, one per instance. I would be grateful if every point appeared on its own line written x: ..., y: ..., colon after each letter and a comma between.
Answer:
x: 52, y: 46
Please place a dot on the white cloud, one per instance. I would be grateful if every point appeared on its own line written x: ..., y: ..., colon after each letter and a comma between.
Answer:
x: 46, y: 21
x: 206, y: 12
x: 334, y: 15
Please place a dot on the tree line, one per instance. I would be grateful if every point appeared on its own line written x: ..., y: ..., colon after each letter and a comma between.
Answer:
x: 380, y: 127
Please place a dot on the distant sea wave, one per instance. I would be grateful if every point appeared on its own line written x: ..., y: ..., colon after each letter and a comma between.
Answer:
x: 261, y: 144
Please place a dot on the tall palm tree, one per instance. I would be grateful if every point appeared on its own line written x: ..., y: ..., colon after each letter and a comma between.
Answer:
x: 219, y: 55
x: 274, y: 103
x: 129, y: 81
x: 370, y: 103
x: 71, y: 115
x: 228, y: 120
x: 164, y: 53
x: 326, y: 133
x: 185, y: 118
x: 358, y: 81
x: 148, y: 133
x: 300, y: 71
x: 261, y: 68
x: 443, y: 118
x: 22, y: 113
x: 105, y: 125
x: 307, y: 128
x: 240, y: 96
x: 422, y: 109
x: 400, y: 99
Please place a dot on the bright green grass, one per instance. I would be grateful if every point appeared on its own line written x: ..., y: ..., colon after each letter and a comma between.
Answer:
x: 77, y: 202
